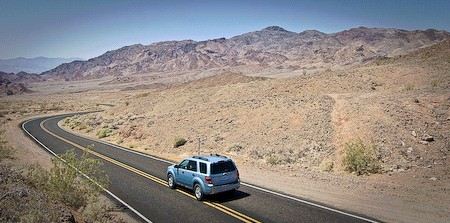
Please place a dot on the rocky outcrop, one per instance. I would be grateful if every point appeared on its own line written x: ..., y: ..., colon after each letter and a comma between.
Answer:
x: 21, y: 77
x: 10, y: 88
x: 11, y: 84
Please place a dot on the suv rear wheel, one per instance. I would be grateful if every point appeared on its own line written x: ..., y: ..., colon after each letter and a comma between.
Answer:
x: 198, y: 192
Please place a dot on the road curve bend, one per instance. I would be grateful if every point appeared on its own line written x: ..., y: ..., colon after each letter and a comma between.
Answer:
x: 138, y: 181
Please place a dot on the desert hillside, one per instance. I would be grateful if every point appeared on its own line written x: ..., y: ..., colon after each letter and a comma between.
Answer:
x: 295, y: 122
x: 299, y: 127
x: 272, y: 50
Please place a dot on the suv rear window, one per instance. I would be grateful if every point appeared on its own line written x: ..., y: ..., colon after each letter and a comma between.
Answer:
x: 203, y: 168
x: 222, y: 167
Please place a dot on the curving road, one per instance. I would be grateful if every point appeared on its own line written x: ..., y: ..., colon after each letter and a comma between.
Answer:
x: 138, y: 182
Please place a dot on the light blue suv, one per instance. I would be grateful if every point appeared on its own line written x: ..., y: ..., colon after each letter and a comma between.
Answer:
x: 206, y: 175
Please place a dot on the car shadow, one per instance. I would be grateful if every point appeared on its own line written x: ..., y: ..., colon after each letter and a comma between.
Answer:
x: 227, y: 196
x: 220, y: 198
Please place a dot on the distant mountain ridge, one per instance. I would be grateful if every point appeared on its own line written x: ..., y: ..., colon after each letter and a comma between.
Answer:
x: 32, y: 65
x: 11, y: 84
x: 272, y: 46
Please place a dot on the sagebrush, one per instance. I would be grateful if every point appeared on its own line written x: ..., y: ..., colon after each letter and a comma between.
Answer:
x: 179, y: 141
x: 104, y: 132
x: 65, y: 181
x: 361, y: 159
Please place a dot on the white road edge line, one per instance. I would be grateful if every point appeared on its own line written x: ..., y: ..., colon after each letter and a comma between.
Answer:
x: 243, y: 183
x: 308, y: 202
x: 107, y: 191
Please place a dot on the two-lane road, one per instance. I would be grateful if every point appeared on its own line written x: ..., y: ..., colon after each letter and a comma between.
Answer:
x: 138, y: 181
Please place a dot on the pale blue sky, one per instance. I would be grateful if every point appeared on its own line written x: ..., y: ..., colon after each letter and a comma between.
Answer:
x: 86, y: 29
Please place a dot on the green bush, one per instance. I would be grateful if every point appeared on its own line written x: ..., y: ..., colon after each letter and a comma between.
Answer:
x: 104, y: 132
x: 179, y: 141
x: 65, y: 182
x: 361, y: 159
x: 75, y: 124
x: 66, y: 121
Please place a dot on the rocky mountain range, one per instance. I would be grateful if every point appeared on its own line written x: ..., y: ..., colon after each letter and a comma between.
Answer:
x: 272, y: 46
x: 11, y: 84
x: 32, y: 65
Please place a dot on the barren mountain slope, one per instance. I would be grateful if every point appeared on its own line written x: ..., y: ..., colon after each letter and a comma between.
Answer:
x: 11, y: 84
x: 267, y: 48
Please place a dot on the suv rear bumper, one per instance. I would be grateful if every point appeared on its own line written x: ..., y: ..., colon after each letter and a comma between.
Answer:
x: 221, y: 188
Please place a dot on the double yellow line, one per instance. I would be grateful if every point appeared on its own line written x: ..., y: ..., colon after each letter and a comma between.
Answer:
x: 215, y: 205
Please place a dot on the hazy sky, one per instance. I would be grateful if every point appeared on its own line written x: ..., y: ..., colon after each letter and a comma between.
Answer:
x: 86, y: 29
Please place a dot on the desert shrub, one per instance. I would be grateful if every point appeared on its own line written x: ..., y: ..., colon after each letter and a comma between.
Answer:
x: 6, y: 151
x: 256, y: 153
x: 104, y: 132
x: 66, y: 121
x: 235, y: 148
x: 409, y: 87
x: 326, y: 165
x: 42, y: 106
x: 179, y: 141
x: 361, y: 159
x: 272, y: 160
x: 64, y: 181
x: 75, y: 124
x: 23, y: 204
x: 434, y: 83
x: 142, y: 95
x: 95, y: 212
x: 119, y: 141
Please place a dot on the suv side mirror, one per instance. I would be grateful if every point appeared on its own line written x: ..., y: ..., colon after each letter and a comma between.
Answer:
x: 176, y: 166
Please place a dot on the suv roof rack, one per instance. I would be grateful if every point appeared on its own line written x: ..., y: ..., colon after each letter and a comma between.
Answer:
x: 218, y: 155
x: 201, y: 158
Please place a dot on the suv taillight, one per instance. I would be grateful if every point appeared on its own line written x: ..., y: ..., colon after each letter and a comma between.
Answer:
x: 238, y: 174
x: 208, y: 180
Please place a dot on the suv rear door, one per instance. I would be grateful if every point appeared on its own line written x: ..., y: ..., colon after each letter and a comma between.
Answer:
x: 223, y: 172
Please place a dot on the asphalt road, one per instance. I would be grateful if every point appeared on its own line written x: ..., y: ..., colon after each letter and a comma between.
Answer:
x: 138, y: 181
